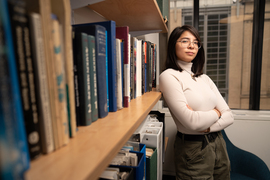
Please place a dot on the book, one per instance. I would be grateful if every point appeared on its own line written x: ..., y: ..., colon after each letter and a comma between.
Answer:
x: 119, y: 74
x: 60, y: 80
x: 110, y: 27
x: 134, y: 79
x: 131, y: 69
x: 26, y: 75
x: 123, y: 33
x: 64, y: 18
x: 7, y: 132
x: 131, y: 60
x: 46, y: 21
x: 139, y: 69
x: 93, y: 76
x: 82, y: 78
x: 144, y: 66
x: 122, y: 67
x: 100, y: 34
x: 107, y: 82
x: 11, y: 105
x: 41, y: 83
x: 154, y: 64
x: 149, y: 67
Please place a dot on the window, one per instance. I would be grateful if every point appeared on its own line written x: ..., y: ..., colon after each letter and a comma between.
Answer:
x: 214, y: 35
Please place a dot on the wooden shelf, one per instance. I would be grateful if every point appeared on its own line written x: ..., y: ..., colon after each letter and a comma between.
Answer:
x: 139, y: 15
x: 93, y: 148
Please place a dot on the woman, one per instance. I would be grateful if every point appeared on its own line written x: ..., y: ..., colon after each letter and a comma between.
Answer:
x: 197, y: 107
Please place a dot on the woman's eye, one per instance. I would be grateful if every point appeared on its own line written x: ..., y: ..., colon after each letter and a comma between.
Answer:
x: 184, y: 41
x: 196, y: 43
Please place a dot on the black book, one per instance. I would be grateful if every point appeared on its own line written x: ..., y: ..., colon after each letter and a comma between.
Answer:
x: 26, y: 74
x: 149, y: 67
x: 82, y: 78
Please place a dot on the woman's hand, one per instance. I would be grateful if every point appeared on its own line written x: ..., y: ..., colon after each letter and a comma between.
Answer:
x: 189, y: 107
x: 218, y: 112
x: 208, y: 129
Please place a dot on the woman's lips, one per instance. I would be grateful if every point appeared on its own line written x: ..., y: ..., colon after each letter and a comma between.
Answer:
x: 190, y: 53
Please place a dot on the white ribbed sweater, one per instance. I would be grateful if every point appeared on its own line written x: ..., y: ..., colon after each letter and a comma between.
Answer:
x: 179, y: 90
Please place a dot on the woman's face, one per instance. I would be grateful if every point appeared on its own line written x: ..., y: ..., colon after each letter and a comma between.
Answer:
x: 186, y: 51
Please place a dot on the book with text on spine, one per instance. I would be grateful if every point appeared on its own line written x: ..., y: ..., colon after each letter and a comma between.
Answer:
x: 11, y: 113
x: 82, y: 79
x: 93, y: 76
x: 100, y: 34
x: 41, y: 84
x: 26, y: 75
x: 110, y: 27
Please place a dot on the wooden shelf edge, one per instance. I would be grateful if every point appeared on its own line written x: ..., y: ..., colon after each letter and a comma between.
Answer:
x: 93, y: 148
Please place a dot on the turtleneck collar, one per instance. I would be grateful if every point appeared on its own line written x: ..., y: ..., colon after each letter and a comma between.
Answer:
x: 185, y: 65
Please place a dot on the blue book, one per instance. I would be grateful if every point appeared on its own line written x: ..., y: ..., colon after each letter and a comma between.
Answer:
x: 11, y: 108
x: 100, y: 33
x: 107, y: 83
x: 111, y: 35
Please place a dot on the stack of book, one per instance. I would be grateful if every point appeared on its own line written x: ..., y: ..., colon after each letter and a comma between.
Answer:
x: 55, y: 76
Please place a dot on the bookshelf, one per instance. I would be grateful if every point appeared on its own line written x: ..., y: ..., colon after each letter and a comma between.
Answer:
x: 93, y: 148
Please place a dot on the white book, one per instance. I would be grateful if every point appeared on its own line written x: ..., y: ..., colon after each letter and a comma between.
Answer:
x: 127, y: 72
x: 42, y: 86
x: 60, y: 80
x: 139, y: 68
x: 119, y: 74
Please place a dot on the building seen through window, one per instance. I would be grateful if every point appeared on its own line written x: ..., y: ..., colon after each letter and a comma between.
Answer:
x: 226, y: 31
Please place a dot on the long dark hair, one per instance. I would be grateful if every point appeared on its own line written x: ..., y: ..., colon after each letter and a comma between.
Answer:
x: 171, y: 61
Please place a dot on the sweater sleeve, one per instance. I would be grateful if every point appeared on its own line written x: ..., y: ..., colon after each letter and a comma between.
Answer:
x: 172, y: 91
x: 226, y: 118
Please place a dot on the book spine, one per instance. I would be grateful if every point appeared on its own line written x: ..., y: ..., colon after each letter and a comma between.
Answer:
x: 7, y: 130
x: 42, y: 86
x: 139, y: 68
x: 76, y: 41
x: 149, y: 66
x: 127, y: 73
x: 107, y: 70
x: 143, y: 64
x: 131, y: 47
x: 33, y: 127
x: 20, y: 30
x: 51, y: 77
x: 86, y: 81
x: 145, y: 67
x: 101, y: 70
x: 93, y: 76
x: 122, y: 70
x: 119, y: 75
x: 135, y: 67
x: 154, y: 66
x: 20, y: 162
x: 113, y: 68
x: 82, y: 79
x: 60, y: 80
